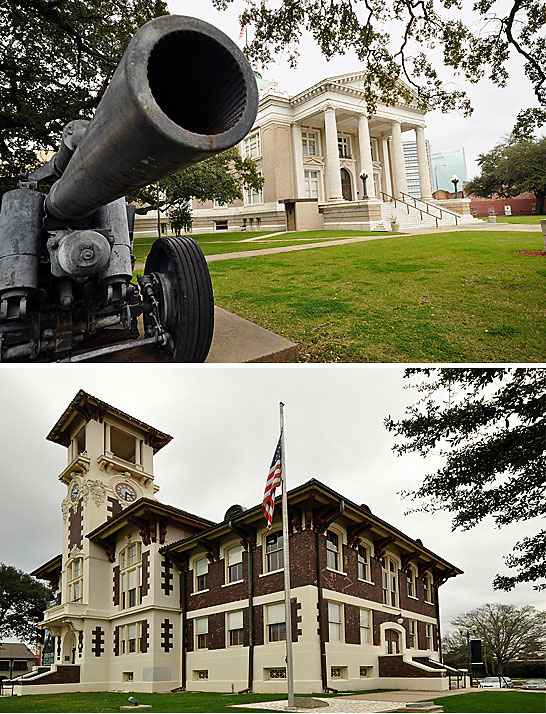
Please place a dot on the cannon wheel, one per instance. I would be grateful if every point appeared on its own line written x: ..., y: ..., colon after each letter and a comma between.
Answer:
x: 184, y: 293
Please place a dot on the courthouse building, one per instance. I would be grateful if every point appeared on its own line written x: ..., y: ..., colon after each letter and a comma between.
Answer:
x: 311, y: 148
x: 149, y: 597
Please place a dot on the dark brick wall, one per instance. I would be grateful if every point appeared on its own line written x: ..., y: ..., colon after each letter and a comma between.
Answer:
x: 167, y: 576
x: 116, y: 640
x: 421, y: 635
x: 80, y: 643
x: 394, y: 666
x: 352, y: 624
x: 295, y: 618
x: 378, y: 619
x: 145, y: 572
x: 145, y: 641
x: 115, y: 578
x: 75, y: 525
x: 63, y: 675
x: 167, y: 635
x: 114, y: 507
x: 189, y: 635
x: 97, y: 641
x: 217, y: 631
x: 418, y: 606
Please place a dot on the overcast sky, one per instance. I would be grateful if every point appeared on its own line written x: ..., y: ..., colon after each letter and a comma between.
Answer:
x: 225, y: 424
x: 495, y: 109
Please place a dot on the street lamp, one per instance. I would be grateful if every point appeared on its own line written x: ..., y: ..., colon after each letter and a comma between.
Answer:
x: 364, y: 176
x: 468, y: 631
x: 455, y: 181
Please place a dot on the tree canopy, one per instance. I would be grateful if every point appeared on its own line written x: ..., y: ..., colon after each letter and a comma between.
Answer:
x: 56, y: 59
x: 507, y: 632
x: 488, y: 424
x: 511, y: 168
x: 22, y: 602
x: 402, y: 40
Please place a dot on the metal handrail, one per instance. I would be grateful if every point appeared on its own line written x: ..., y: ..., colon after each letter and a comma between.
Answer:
x: 430, y: 205
x: 408, y: 206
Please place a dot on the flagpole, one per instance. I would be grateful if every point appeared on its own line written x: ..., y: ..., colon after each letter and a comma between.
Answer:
x: 286, y: 561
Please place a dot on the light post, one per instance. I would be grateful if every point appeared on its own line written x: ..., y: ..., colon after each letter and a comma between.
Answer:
x: 364, y: 176
x: 468, y: 631
x: 455, y: 181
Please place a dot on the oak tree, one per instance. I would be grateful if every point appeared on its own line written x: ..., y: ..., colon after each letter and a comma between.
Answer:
x: 510, y: 168
x: 22, y: 602
x: 404, y: 39
x: 488, y: 425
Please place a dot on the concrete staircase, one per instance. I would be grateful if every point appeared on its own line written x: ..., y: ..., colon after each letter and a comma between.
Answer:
x: 413, y: 215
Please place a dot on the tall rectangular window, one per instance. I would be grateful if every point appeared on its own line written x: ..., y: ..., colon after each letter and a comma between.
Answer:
x: 311, y: 184
x: 252, y: 195
x: 410, y: 576
x: 332, y: 550
x: 276, y: 622
x: 389, y: 578
x: 274, y: 552
x: 428, y: 635
x: 344, y: 147
x: 365, y: 626
x: 363, y: 563
x: 202, y: 633
x: 334, y: 622
x: 412, y: 633
x: 252, y: 146
x: 201, y: 574
x: 309, y: 142
x: 235, y: 564
x: 235, y: 628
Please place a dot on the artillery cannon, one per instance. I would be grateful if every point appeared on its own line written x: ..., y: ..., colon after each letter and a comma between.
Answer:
x: 66, y: 263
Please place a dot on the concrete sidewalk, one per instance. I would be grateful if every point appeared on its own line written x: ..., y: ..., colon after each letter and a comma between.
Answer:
x: 405, y: 695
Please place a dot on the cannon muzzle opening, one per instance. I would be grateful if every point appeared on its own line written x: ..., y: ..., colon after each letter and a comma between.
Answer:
x: 183, y: 91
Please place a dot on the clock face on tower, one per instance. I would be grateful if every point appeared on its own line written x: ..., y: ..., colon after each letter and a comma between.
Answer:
x: 126, y: 492
x: 75, y: 492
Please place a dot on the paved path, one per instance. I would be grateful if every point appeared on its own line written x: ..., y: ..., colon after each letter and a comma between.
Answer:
x: 325, y: 243
x: 405, y: 695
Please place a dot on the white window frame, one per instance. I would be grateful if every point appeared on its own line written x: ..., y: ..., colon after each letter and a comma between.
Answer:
x: 366, y: 629
x: 411, y: 582
x: 427, y: 585
x: 125, y: 639
x: 333, y: 623
x: 230, y: 616
x: 339, y: 551
x: 366, y: 561
x: 229, y: 558
x: 412, y: 634
x: 204, y: 632
x: 344, y: 144
x: 75, y: 580
x: 308, y: 137
x: 389, y: 578
x: 277, y: 620
x: 130, y: 561
x: 252, y: 146
x: 309, y: 183
x: 197, y: 575
x: 428, y: 636
x: 253, y: 197
x: 267, y: 569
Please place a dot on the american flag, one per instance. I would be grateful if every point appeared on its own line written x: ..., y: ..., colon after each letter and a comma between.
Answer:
x: 242, y: 33
x: 274, y: 479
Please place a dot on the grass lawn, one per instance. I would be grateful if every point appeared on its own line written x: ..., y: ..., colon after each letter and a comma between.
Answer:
x: 211, y: 702
x: 494, y: 702
x: 528, y: 220
x: 447, y: 297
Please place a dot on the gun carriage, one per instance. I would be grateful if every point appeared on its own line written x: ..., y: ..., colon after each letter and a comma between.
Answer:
x: 66, y: 263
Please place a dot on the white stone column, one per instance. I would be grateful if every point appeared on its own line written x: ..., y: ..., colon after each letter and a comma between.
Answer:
x: 422, y: 162
x: 333, y: 166
x: 298, y: 160
x: 400, y: 181
x: 366, y: 162
x: 386, y: 165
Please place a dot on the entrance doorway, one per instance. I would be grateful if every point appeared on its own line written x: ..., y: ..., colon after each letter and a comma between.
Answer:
x: 69, y: 648
x: 346, y: 188
x: 392, y: 642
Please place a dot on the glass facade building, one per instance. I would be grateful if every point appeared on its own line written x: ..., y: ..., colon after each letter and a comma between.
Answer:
x: 412, y: 167
x: 444, y: 165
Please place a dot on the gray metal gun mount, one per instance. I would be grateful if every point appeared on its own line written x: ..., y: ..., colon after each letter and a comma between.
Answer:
x: 182, y: 92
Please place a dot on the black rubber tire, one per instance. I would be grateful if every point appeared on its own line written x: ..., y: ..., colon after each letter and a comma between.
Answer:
x: 184, y: 264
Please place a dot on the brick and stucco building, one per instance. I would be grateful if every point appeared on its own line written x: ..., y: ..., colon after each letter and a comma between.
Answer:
x: 153, y: 598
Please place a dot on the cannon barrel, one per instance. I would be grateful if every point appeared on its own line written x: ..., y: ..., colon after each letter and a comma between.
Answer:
x: 182, y: 92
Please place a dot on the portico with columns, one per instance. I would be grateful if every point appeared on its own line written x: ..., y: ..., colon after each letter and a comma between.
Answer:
x: 313, y: 147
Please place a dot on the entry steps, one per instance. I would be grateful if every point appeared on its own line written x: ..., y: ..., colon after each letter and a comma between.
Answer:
x: 412, y: 213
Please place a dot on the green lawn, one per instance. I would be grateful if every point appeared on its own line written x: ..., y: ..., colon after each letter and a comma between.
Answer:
x: 210, y: 702
x: 527, y: 220
x: 451, y: 297
x: 494, y: 702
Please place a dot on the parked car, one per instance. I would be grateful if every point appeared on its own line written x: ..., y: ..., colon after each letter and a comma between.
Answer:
x: 495, y: 682
x: 534, y: 684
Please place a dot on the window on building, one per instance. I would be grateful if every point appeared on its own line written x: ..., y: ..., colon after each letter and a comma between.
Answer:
x: 252, y: 195
x: 332, y: 550
x: 201, y: 633
x: 75, y: 580
x: 275, y: 673
x: 276, y: 622
x: 79, y: 443
x: 235, y: 628
x: 20, y: 665
x: 218, y: 204
x: 131, y: 575
x: 366, y: 671
x: 122, y: 444
x: 428, y: 587
x: 334, y: 621
x: 344, y: 147
x: 200, y: 674
x: 365, y: 626
x: 235, y: 564
x: 338, y: 672
x: 220, y: 225
x: 252, y: 146
x: 363, y: 563
x: 309, y: 141
x: 389, y: 576
x: 428, y: 635
x: 273, y: 550
x: 474, y: 211
x: 4, y: 665
x: 311, y: 184
x: 201, y: 574
x: 131, y: 638
x: 410, y: 578
x: 412, y: 633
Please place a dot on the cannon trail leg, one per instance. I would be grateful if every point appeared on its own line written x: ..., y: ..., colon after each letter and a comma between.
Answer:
x: 183, y: 290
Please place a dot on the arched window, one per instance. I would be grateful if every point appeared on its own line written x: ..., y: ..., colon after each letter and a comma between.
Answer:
x: 428, y: 587
x: 332, y: 550
x: 75, y: 580
x: 234, y: 561
x: 201, y: 570
x: 130, y: 560
x: 363, y: 563
x: 410, y: 576
x: 273, y: 551
x: 389, y: 576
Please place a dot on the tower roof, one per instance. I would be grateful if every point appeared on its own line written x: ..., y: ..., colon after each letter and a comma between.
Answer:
x: 90, y: 407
